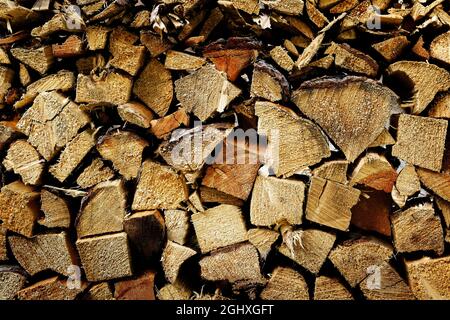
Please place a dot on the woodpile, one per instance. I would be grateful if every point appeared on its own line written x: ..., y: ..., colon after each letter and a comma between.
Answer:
x: 222, y: 150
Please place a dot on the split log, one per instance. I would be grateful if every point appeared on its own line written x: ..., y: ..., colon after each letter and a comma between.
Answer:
x: 187, y: 150
x: 72, y: 155
x: 172, y: 259
x: 294, y: 142
x: 262, y: 239
x: 4, y: 58
x: 95, y: 218
x: 177, y: 225
x: 421, y: 141
x: 124, y: 149
x: 285, y: 284
x: 232, y: 55
x: 440, y: 107
x: 268, y: 83
x: 385, y: 284
x: 212, y: 21
x: 51, y: 123
x: 205, y: 91
x: 439, y: 48
x: 105, y: 257
x: 135, y: 113
x: 67, y: 21
x: 352, y: 60
x: 6, y: 79
x: 8, y: 132
x: 383, y: 140
x: 236, y: 174
x: 72, y: 47
x: 219, y: 227
x: 97, y: 37
x: 40, y: 59
x: 429, y: 278
x: 426, y: 80
x: 418, y: 229
x: 176, y: 60
x: 444, y: 206
x: 353, y: 258
x: 141, y: 19
x: 155, y: 88
x: 327, y: 288
x: 19, y: 208
x: 12, y: 280
x: 94, y: 173
x: 322, y: 100
x: 333, y: 170
x: 282, y: 58
x: 113, y: 11
x: 62, y: 81
x: 54, y: 288
x: 374, y: 171
x: 372, y: 212
x: 92, y: 8
x: 164, y: 126
x: 155, y: 44
x: 126, y: 55
x: 99, y: 291
x: 195, y: 203
x: 419, y: 50
x: 24, y: 160
x: 274, y: 200
x: 52, y: 251
x: 56, y: 211
x: 138, y: 288
x: 330, y: 203
x: 408, y: 182
x: 235, y: 263
x: 108, y: 88
x: 159, y: 187
x: 392, y: 48
x: 310, y: 249
x: 315, y: 15
x: 174, y: 292
x: 248, y: 6
x: 439, y: 183
x: 290, y: 47
x: 288, y: 7
x: 194, y: 22
x: 146, y: 233
x: 17, y: 14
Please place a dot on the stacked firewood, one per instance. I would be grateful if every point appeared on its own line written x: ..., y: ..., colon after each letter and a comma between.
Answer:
x: 239, y: 149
